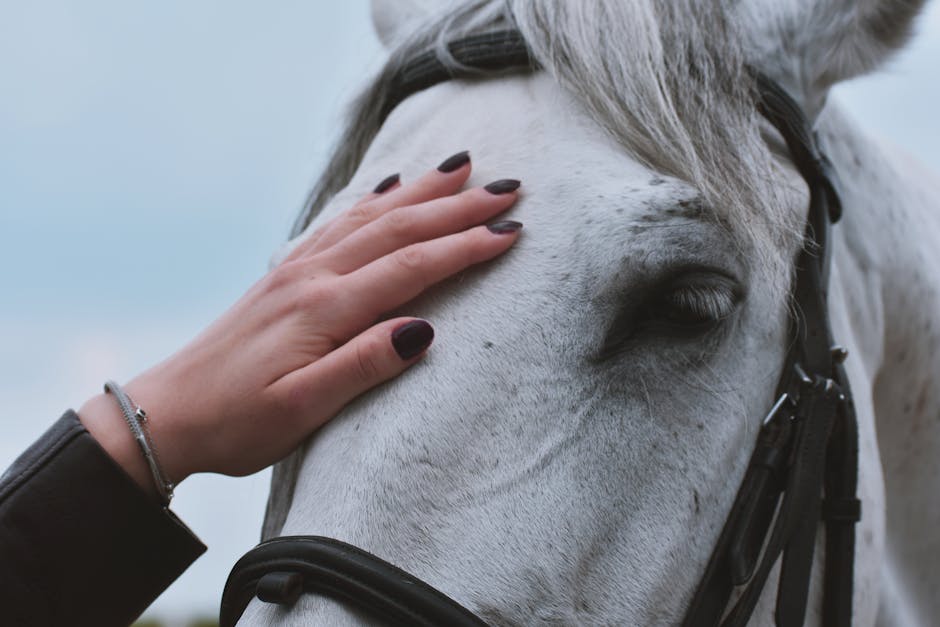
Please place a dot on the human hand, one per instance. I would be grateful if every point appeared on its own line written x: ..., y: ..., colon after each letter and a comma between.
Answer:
x: 303, y: 342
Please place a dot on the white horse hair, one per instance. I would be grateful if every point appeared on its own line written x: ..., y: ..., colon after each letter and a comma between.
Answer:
x: 682, y: 59
x: 569, y: 450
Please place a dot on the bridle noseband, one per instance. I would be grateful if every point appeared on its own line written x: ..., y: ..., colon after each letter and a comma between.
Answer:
x: 804, y: 467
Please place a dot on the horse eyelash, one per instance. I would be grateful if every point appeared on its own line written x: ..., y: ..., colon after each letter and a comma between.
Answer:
x: 711, y: 302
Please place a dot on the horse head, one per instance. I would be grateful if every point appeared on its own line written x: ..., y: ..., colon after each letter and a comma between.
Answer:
x: 569, y: 450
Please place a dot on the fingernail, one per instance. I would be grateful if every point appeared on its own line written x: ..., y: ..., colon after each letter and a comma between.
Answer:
x: 504, y: 227
x: 411, y: 338
x: 503, y: 186
x: 386, y: 183
x: 452, y: 163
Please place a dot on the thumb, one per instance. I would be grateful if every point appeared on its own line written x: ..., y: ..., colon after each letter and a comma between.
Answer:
x: 382, y: 352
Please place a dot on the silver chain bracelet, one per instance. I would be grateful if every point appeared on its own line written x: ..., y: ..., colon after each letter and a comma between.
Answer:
x: 136, y: 419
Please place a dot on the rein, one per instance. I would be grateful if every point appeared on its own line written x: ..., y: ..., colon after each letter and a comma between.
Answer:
x: 804, y: 467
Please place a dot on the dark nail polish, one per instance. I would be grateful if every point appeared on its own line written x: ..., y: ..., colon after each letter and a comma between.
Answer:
x: 504, y: 227
x: 386, y: 183
x: 503, y: 186
x: 411, y: 338
x: 455, y: 162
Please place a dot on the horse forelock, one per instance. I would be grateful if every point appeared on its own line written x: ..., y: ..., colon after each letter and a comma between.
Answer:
x: 668, y: 81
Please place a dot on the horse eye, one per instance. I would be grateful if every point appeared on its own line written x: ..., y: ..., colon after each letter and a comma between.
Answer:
x: 683, y: 307
x: 694, y: 302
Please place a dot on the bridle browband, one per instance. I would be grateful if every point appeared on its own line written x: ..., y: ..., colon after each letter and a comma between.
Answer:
x: 804, y: 467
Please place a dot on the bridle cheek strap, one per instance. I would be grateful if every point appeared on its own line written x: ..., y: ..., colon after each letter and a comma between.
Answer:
x: 805, y: 466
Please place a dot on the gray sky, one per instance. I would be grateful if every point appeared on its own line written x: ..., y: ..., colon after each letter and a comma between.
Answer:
x: 152, y: 156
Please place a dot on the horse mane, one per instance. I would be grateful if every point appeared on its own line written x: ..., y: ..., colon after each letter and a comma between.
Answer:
x: 667, y: 80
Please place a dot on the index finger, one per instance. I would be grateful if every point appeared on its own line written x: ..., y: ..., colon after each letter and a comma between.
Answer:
x: 447, y: 179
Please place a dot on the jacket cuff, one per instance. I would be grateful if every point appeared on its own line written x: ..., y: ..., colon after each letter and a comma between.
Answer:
x: 80, y: 542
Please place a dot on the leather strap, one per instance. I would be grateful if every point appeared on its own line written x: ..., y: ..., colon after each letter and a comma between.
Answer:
x: 496, y: 52
x: 279, y: 569
x: 822, y: 446
x: 807, y: 473
x: 841, y: 511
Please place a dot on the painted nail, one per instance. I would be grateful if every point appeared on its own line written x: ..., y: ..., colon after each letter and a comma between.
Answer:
x: 503, y: 186
x: 455, y: 162
x: 411, y: 338
x: 386, y: 183
x: 504, y: 227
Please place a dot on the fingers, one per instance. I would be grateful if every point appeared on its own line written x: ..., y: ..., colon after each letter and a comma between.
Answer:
x: 446, y: 179
x: 398, y: 277
x: 434, y: 184
x: 318, y: 391
x: 417, y: 223
x: 386, y: 184
x: 390, y: 182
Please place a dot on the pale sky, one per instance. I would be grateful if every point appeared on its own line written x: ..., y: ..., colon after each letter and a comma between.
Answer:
x: 153, y: 156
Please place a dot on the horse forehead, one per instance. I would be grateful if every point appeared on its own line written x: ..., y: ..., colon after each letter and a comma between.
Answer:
x: 520, y: 121
x: 527, y: 127
x: 521, y: 126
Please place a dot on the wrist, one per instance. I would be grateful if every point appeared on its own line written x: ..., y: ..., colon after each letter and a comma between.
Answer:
x: 103, y: 419
x: 166, y: 420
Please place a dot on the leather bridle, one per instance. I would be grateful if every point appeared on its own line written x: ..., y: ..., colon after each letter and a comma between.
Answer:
x: 804, y: 467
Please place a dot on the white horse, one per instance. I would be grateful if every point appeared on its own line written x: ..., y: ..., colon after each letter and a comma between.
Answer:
x: 570, y: 449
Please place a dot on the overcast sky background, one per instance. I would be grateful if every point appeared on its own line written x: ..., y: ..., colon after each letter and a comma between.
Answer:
x: 154, y: 155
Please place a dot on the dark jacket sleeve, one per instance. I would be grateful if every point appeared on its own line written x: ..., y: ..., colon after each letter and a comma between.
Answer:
x: 80, y: 542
